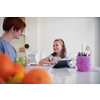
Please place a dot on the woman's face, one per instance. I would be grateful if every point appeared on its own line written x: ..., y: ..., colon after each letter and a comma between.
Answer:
x: 57, y: 47
x: 18, y: 33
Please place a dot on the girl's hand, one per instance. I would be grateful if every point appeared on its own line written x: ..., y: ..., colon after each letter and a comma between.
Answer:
x: 53, y: 62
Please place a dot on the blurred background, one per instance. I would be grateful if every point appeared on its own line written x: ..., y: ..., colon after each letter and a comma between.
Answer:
x: 40, y: 32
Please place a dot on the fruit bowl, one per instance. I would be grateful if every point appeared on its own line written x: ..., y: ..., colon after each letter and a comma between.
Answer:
x: 21, y: 60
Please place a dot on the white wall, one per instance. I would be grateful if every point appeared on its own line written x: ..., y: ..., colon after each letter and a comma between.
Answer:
x: 41, y: 32
x: 1, y: 20
x: 97, y: 41
x: 74, y: 31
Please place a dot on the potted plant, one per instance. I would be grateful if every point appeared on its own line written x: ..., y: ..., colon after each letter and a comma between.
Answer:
x: 26, y: 47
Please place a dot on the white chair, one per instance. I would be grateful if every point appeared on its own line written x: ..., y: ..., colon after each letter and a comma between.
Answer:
x: 38, y: 56
x: 43, y: 55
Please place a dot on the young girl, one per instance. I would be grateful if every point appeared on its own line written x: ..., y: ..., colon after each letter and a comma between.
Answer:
x: 59, y: 53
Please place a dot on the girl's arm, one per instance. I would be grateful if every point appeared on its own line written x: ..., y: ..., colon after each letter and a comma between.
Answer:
x: 47, y: 61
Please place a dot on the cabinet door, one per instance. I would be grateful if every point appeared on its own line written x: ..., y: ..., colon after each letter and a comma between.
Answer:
x: 31, y: 33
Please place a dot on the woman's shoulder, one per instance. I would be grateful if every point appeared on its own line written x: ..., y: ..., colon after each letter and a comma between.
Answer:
x: 2, y: 41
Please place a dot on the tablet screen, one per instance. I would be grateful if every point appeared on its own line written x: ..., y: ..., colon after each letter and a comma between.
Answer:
x: 62, y: 64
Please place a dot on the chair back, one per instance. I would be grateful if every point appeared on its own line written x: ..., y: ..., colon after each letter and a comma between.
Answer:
x: 38, y: 55
x: 43, y: 55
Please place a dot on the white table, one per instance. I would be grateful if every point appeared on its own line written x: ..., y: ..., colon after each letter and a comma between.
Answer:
x: 61, y: 76
x: 67, y: 76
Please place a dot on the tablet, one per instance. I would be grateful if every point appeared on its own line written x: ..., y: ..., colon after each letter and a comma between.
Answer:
x: 62, y: 64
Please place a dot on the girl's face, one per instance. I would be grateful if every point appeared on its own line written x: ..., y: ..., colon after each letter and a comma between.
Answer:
x: 57, y: 47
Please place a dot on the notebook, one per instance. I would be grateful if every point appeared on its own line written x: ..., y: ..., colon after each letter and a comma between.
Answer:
x: 62, y: 64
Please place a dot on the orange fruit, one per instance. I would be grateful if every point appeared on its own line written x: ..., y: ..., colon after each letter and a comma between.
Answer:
x: 16, y: 79
x: 2, y: 81
x: 19, y: 76
x: 6, y: 66
x: 18, y: 68
x: 37, y: 76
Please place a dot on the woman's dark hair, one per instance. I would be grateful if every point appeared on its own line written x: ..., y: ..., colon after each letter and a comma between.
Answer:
x: 64, y: 51
x: 15, y: 22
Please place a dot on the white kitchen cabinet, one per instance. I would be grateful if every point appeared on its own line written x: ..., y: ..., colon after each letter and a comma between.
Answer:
x: 31, y: 33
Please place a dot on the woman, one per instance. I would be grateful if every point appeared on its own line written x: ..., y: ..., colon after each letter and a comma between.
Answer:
x: 13, y: 27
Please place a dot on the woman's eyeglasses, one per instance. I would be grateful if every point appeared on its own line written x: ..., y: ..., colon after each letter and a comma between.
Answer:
x: 21, y: 30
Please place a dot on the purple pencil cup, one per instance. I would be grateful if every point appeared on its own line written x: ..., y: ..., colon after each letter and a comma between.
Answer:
x: 83, y: 63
